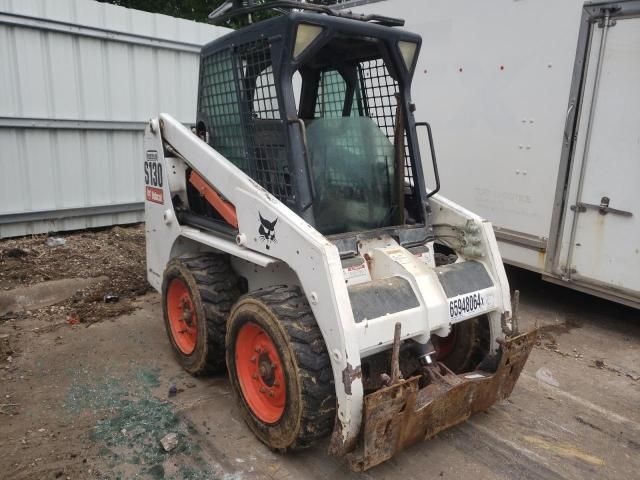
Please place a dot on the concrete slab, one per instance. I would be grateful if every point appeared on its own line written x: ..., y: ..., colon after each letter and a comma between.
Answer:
x: 42, y: 294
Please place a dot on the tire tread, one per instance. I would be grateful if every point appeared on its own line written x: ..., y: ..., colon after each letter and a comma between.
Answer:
x: 218, y: 287
x: 312, y: 359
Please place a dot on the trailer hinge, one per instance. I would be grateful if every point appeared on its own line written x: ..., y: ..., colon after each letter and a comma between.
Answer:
x: 612, y: 23
x: 580, y: 207
x: 567, y: 272
x: 606, y: 16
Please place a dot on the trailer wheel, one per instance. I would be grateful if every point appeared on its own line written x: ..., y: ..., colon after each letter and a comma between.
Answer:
x: 465, y: 347
x: 197, y: 294
x: 280, y: 369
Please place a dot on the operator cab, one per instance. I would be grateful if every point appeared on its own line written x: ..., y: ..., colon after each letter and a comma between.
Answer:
x: 316, y: 108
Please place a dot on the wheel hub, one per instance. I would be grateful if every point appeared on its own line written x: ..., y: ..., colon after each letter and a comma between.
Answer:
x: 267, y: 370
x: 187, y: 313
x: 260, y: 374
x: 182, y: 316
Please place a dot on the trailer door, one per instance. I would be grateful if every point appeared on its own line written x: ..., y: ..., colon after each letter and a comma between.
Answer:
x: 601, y: 239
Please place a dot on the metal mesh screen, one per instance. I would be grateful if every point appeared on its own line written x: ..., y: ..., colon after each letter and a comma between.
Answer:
x: 239, y: 98
x: 332, y: 91
x: 379, y: 91
x: 219, y: 102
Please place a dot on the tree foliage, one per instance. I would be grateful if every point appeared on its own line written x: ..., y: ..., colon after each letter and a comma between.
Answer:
x: 197, y: 10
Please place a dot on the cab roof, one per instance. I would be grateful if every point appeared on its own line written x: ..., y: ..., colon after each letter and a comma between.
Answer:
x: 284, y: 27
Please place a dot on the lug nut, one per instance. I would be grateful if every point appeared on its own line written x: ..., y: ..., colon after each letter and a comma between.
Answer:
x: 254, y: 376
x: 263, y: 389
x: 271, y: 393
x: 253, y: 359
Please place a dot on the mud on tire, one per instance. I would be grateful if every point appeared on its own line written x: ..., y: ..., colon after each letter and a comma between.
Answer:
x: 283, y: 313
x: 213, y: 287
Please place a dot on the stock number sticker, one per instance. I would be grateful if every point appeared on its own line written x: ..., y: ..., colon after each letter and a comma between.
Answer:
x: 469, y: 304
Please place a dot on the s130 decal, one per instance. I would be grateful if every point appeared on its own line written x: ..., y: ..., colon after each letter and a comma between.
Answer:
x: 153, y: 178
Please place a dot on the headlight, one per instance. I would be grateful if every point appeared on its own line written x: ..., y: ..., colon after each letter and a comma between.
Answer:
x: 408, y: 52
x: 305, y: 35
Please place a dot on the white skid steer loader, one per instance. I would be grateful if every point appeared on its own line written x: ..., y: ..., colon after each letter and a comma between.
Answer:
x: 295, y: 243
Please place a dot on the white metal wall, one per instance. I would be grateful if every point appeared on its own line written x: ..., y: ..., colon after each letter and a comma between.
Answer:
x: 78, y: 81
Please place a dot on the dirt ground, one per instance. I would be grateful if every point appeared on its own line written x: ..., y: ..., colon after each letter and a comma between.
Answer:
x: 91, y: 399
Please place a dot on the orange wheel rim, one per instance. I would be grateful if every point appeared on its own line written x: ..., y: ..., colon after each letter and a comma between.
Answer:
x: 260, y: 374
x: 182, y: 316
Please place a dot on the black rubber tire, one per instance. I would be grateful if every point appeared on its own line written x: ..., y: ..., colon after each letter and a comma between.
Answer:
x: 214, y: 287
x: 309, y: 412
x: 471, y: 346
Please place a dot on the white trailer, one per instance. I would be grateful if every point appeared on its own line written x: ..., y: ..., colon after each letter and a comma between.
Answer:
x: 535, y: 108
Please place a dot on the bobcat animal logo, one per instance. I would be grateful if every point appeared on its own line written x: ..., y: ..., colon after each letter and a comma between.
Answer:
x: 267, y: 231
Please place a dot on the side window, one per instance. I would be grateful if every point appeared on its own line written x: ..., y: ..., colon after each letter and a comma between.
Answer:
x: 297, y: 88
x: 264, y: 130
x: 238, y: 103
x: 265, y: 99
x: 219, y: 108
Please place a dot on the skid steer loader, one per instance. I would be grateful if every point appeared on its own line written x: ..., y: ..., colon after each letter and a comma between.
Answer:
x: 296, y: 245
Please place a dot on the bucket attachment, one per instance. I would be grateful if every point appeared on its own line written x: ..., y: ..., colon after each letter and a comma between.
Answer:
x: 403, y: 413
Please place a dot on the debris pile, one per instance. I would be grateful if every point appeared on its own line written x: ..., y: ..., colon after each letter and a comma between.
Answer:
x: 115, y: 256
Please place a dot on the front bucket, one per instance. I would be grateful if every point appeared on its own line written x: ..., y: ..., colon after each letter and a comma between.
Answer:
x: 403, y: 414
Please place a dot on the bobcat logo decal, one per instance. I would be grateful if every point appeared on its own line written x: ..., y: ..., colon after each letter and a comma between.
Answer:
x: 267, y: 231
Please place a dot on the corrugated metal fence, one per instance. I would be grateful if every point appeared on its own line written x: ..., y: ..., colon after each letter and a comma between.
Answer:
x: 78, y: 81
